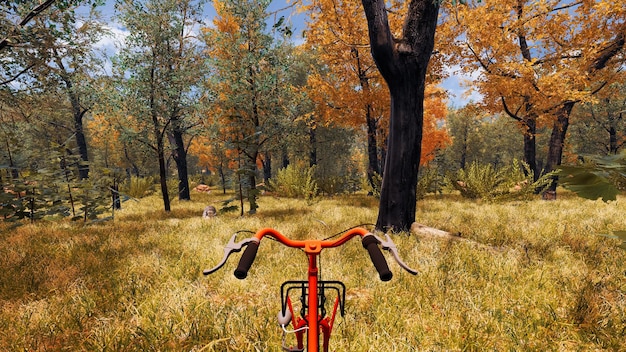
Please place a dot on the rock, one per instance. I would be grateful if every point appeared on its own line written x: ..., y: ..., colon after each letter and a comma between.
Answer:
x: 202, y: 188
x: 209, y: 212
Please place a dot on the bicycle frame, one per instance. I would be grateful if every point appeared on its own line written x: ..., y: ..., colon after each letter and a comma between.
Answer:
x: 312, y: 248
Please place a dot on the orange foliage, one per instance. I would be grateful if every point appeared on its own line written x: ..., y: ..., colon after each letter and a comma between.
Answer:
x: 536, y: 54
x: 435, y: 111
x: 348, y: 85
x: 105, y: 137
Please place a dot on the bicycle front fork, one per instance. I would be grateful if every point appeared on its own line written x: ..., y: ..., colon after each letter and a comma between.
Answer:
x: 300, y: 324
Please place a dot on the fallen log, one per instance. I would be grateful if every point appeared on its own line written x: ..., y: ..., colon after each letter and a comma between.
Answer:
x: 431, y: 232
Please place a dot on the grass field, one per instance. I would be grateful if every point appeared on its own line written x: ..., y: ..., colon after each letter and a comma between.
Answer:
x: 536, y: 276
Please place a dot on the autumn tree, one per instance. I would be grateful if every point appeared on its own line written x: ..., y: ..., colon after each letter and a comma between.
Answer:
x: 346, y: 86
x: 249, y: 81
x: 538, y: 59
x: 159, y: 70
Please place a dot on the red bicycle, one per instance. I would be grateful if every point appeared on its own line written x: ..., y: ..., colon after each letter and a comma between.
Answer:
x: 313, y: 291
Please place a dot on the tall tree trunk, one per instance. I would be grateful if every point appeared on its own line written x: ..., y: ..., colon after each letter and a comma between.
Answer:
x: 220, y: 170
x: 557, y: 140
x: 402, y: 63
x: 371, y: 123
x: 78, y: 112
x: 163, y: 175
x: 251, y: 177
x: 81, y: 141
x: 613, y: 145
x: 180, y: 158
x: 372, y: 146
x: 313, y: 143
x: 530, y: 146
x: 158, y: 136
x: 267, y: 167
x: 14, y: 173
x: 285, y: 158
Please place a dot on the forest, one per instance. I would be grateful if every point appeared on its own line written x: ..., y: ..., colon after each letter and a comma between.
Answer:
x: 234, y: 99
x: 121, y: 120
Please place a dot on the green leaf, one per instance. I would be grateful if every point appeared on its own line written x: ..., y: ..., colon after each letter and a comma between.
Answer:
x: 587, y: 183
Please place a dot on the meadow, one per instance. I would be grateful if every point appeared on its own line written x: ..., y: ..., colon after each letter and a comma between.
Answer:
x: 533, y: 276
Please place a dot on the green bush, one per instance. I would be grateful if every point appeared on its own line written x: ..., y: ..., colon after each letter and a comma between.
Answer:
x: 429, y: 181
x: 372, y: 189
x: 295, y: 182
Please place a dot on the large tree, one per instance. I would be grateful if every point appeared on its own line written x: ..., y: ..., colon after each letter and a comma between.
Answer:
x: 249, y: 79
x: 160, y: 68
x: 55, y: 55
x: 345, y: 86
x: 538, y: 59
x: 402, y: 61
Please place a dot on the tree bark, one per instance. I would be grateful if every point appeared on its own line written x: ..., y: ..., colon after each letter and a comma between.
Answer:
x: 267, y: 167
x: 530, y: 146
x: 180, y: 158
x: 372, y: 146
x: 557, y: 140
x: 313, y: 152
x: 402, y: 63
x: 158, y: 136
x: 163, y: 174
x: 371, y: 123
x: 78, y: 112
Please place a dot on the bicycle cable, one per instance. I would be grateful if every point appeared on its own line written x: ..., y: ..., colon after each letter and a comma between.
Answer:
x: 293, y: 331
x: 348, y: 229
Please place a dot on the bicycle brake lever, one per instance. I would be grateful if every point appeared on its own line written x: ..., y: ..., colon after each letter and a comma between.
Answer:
x: 230, y: 248
x: 391, y: 247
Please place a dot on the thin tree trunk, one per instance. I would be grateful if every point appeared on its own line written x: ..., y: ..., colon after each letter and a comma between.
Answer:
x: 180, y: 158
x: 267, y: 167
x: 313, y: 143
x: 557, y: 141
x: 372, y: 146
x: 530, y: 147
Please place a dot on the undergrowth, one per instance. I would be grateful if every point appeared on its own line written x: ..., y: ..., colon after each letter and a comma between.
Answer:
x: 535, y: 275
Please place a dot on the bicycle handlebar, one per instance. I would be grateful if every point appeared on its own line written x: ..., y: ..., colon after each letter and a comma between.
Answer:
x: 313, y: 247
x: 246, y: 260
x: 370, y: 243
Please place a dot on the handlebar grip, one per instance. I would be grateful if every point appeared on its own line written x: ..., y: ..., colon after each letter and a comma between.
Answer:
x: 371, y: 244
x: 246, y: 260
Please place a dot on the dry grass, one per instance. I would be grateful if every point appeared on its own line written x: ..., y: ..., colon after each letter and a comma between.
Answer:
x: 135, y: 284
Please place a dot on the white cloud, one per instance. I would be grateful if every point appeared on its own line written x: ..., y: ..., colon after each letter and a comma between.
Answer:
x: 115, y: 37
x: 459, y: 86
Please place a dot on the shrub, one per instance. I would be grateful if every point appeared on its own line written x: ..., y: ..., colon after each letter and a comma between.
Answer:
x: 514, y: 181
x: 429, y: 181
x: 138, y: 187
x: 295, y: 182
x: 372, y: 189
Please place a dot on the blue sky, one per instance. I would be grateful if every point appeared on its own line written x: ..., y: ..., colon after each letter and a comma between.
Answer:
x: 455, y: 84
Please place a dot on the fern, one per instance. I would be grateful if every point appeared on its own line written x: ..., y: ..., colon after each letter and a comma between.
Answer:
x: 485, y: 182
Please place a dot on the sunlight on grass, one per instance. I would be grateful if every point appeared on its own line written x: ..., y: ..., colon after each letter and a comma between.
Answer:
x: 541, y: 279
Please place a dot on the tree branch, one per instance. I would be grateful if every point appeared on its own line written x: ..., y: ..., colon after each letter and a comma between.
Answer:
x: 17, y: 75
x: 32, y: 14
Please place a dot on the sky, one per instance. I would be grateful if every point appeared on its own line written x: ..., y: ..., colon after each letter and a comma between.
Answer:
x: 456, y: 85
